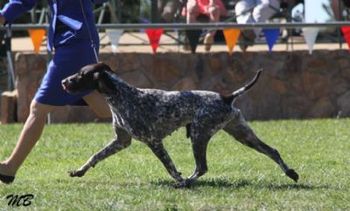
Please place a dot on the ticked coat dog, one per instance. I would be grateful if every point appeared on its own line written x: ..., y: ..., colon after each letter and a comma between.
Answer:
x: 149, y: 115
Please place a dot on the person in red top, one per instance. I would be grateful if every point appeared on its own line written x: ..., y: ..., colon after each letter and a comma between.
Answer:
x: 212, y: 8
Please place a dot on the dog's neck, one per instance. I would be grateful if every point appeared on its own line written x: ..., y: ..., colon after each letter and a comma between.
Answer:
x: 117, y: 88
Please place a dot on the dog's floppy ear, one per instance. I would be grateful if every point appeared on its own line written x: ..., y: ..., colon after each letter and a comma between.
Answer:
x: 104, y: 83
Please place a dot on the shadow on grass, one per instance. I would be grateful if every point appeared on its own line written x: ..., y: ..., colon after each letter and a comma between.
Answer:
x: 215, y: 183
x: 297, y: 186
x: 242, y: 183
x: 209, y: 182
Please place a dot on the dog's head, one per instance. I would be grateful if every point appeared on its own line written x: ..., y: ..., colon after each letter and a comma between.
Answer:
x: 90, y: 77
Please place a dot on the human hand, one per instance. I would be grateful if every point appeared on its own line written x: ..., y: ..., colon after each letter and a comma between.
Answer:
x: 211, y: 6
x: 209, y: 9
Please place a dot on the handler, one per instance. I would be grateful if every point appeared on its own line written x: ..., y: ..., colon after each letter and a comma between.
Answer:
x: 74, y: 40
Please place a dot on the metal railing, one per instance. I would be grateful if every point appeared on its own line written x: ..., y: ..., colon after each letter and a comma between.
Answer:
x: 185, y: 26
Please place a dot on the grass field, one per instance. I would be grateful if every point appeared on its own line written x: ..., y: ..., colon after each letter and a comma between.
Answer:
x: 238, y: 178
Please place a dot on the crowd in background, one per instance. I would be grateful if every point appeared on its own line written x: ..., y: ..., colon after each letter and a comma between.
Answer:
x: 240, y: 11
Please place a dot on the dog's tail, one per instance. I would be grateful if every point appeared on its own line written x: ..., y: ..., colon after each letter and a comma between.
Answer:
x: 245, y: 88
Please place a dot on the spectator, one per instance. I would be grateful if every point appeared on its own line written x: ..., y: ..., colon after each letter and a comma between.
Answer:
x: 289, y: 4
x: 72, y: 32
x: 214, y: 9
x: 338, y: 6
x: 168, y: 10
x: 254, y: 11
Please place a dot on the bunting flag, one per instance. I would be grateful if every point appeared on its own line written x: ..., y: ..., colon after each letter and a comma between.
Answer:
x: 346, y: 34
x: 154, y: 37
x: 310, y: 35
x: 231, y: 37
x: 193, y: 38
x: 37, y: 36
x: 114, y: 37
x: 271, y: 36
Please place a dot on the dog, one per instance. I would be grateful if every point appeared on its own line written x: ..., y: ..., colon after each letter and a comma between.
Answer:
x: 149, y: 115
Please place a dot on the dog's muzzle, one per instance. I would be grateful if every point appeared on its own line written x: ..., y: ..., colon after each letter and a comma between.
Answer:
x: 64, y: 84
x: 67, y: 84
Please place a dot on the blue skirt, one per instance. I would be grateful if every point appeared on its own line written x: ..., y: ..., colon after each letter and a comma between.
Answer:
x: 67, y: 60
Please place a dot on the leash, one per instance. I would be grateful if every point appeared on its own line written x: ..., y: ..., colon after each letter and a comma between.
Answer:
x: 7, y: 44
x: 93, y: 46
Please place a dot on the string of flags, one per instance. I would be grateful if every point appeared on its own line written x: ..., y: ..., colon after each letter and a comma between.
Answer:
x: 231, y: 36
x: 114, y: 36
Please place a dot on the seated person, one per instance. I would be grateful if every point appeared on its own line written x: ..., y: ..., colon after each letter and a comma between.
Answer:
x: 289, y: 4
x: 168, y: 9
x: 214, y: 9
x: 338, y: 6
x: 254, y: 11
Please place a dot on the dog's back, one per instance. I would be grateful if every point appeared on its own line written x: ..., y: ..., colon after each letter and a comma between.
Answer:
x: 154, y: 114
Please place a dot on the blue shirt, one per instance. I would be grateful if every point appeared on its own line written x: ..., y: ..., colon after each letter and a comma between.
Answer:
x: 72, y: 19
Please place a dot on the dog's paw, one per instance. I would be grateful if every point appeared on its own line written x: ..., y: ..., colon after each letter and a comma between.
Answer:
x: 179, y: 185
x: 293, y: 175
x: 184, y: 184
x: 76, y: 173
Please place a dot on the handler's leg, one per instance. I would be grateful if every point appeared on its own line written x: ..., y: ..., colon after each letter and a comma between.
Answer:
x: 98, y: 104
x: 30, y: 134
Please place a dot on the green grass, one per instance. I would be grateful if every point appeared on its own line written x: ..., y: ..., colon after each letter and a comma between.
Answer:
x: 238, y: 178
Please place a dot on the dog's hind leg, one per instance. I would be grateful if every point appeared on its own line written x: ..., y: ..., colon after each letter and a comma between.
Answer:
x: 199, y: 147
x: 158, y: 149
x: 122, y: 141
x: 244, y: 134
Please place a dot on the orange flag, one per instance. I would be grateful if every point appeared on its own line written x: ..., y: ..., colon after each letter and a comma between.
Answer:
x: 346, y: 34
x: 37, y: 36
x: 231, y: 37
x: 154, y: 37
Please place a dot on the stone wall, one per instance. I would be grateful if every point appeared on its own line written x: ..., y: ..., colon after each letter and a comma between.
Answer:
x: 3, y: 76
x: 293, y: 84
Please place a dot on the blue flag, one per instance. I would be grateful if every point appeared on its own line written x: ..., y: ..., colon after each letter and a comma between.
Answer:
x: 271, y: 36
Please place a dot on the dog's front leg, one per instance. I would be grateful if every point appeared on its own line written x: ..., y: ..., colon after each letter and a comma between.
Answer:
x: 158, y: 149
x: 122, y: 141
